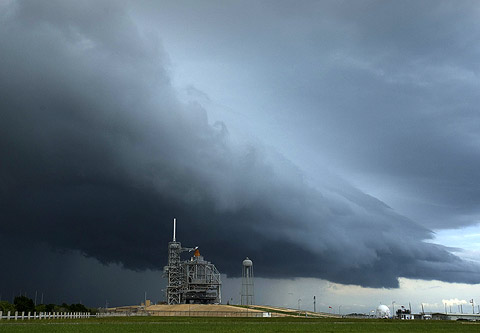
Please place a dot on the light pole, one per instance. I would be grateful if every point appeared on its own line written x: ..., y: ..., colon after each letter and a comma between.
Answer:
x: 339, y: 309
x: 393, y: 309
x: 299, y: 301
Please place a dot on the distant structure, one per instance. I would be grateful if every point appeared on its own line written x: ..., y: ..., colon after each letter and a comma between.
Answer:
x: 247, y: 283
x: 404, y: 313
x: 382, y: 311
x: 194, y: 281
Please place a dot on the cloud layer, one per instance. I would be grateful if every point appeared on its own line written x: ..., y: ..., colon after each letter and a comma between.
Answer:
x: 98, y: 155
x: 384, y: 93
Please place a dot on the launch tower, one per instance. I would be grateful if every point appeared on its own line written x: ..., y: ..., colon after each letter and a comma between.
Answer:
x: 194, y: 281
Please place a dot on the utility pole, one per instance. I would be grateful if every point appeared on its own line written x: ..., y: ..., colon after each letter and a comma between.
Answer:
x: 35, y: 298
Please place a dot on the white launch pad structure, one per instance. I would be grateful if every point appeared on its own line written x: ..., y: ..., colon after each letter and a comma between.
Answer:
x: 194, y: 281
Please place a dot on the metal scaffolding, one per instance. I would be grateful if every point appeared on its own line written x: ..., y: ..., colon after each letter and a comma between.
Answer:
x: 203, y: 281
x: 190, y: 281
x: 174, y: 273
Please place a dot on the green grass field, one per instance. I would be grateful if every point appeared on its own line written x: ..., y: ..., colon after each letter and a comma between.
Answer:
x: 232, y: 325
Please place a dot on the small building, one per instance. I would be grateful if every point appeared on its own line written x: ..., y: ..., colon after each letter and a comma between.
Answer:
x: 404, y: 314
x: 422, y: 316
x: 456, y: 316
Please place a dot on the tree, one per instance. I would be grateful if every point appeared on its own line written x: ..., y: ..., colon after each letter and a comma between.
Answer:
x: 23, y: 304
x: 78, y: 308
x: 49, y: 307
x: 60, y: 308
x: 5, y: 307
x: 41, y: 308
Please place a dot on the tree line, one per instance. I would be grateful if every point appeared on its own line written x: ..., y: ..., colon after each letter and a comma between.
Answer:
x: 25, y: 304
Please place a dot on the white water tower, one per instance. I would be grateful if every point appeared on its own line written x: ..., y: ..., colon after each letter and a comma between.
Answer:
x: 247, y: 282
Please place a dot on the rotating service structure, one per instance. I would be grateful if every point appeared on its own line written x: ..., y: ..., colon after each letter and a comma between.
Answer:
x: 194, y: 281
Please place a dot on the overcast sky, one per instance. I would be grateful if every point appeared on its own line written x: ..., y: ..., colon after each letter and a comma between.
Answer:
x: 334, y: 143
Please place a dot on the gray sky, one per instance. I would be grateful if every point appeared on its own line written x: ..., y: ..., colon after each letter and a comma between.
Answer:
x: 325, y: 140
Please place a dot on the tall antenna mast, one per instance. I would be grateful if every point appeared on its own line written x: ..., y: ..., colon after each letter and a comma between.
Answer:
x: 174, y: 228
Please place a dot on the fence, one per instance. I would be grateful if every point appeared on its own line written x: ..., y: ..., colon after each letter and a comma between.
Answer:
x: 43, y: 315
x: 74, y: 315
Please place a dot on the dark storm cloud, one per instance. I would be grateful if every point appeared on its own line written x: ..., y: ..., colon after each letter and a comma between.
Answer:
x: 98, y: 155
x: 406, y: 96
x: 391, y: 87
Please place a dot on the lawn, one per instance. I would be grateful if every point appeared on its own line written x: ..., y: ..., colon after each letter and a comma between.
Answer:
x: 232, y: 325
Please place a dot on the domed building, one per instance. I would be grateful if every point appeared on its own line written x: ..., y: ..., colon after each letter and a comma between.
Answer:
x: 382, y: 311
